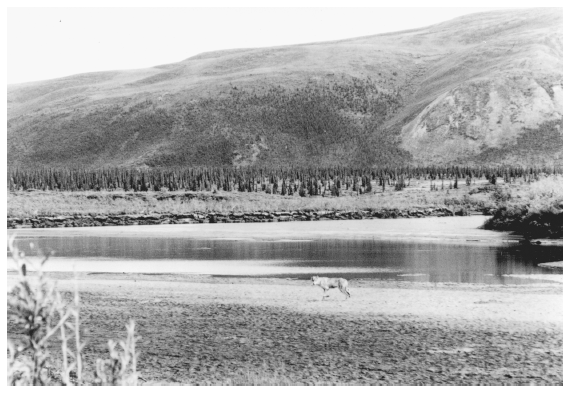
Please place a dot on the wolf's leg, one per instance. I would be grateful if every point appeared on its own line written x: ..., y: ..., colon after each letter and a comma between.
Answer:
x: 324, y: 294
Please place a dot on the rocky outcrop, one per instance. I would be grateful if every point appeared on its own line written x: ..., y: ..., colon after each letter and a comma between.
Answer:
x: 482, y: 115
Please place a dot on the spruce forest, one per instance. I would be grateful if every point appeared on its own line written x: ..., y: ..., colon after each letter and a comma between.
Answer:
x: 283, y: 181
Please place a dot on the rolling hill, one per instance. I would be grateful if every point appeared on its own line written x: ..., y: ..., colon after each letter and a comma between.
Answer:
x: 480, y: 89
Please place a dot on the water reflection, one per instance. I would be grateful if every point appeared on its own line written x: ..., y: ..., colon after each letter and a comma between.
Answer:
x: 354, y: 258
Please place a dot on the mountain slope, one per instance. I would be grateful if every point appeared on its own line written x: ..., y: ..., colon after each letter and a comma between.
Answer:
x: 476, y: 89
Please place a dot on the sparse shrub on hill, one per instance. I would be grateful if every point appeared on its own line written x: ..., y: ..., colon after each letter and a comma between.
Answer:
x: 320, y: 123
x: 539, y: 146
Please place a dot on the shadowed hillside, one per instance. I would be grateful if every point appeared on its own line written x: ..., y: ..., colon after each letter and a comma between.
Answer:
x: 477, y: 89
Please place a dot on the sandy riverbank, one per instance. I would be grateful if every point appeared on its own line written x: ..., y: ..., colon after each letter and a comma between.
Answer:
x: 203, y: 329
x: 441, y: 229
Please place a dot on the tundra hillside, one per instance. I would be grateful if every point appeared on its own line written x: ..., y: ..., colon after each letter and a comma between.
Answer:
x: 480, y: 89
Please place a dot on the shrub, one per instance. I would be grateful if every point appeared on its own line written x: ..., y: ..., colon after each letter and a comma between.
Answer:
x: 37, y: 308
x: 502, y: 194
x: 531, y: 222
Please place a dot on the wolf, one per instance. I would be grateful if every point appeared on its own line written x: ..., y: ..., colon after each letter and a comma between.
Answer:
x: 328, y: 283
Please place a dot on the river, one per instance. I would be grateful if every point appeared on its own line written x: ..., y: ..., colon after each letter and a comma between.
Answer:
x: 444, y: 249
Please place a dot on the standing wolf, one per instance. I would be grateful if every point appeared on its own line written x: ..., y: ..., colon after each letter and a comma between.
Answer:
x: 328, y: 283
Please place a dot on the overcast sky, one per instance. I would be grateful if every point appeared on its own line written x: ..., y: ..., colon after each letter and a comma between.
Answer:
x: 46, y: 43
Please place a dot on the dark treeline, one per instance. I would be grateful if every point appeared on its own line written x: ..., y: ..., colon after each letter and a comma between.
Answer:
x: 285, y: 181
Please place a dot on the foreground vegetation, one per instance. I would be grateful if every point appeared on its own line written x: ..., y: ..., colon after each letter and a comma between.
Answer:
x: 42, y: 314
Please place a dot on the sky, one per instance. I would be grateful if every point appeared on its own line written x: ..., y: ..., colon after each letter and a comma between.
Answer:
x: 46, y: 43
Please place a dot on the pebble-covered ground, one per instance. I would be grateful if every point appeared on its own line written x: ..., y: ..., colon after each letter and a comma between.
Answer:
x: 206, y: 330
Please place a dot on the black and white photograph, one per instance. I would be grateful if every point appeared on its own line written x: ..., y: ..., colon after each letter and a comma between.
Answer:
x: 284, y: 193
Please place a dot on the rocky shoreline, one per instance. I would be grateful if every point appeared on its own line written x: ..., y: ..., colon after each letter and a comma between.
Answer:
x: 91, y: 220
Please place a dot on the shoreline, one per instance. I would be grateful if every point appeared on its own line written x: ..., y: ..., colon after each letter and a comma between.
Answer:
x: 440, y: 229
x: 553, y: 286
x: 203, y: 330
x: 557, y: 266
x: 232, y: 289
x: 93, y: 219
x: 142, y: 220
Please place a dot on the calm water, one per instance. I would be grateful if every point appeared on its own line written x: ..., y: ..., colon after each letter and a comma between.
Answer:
x: 187, y: 249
